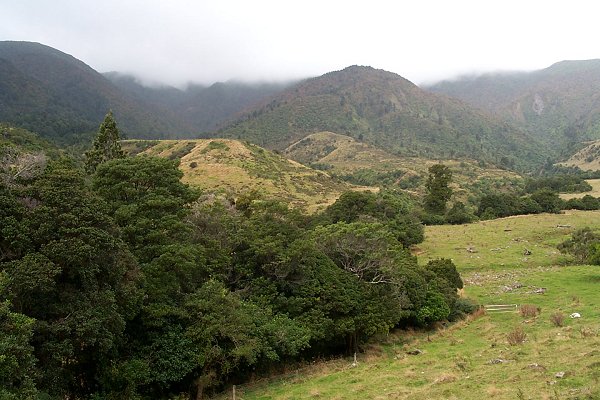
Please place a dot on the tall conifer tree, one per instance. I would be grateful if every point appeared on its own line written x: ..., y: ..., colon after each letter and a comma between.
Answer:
x: 106, y: 145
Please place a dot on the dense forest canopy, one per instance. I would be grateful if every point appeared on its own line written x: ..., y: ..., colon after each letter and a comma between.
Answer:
x: 123, y: 282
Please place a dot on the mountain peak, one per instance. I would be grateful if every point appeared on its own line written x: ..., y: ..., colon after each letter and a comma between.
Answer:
x: 384, y: 110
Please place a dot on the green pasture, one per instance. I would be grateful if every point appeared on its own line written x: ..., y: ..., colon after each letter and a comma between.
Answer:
x: 473, y: 359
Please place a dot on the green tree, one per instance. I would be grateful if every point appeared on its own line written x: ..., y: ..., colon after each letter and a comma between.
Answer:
x: 458, y: 214
x: 548, y: 200
x: 16, y: 353
x: 148, y: 201
x: 106, y: 145
x: 445, y: 268
x: 228, y: 333
x: 150, y: 205
x: 438, y: 189
x: 394, y: 209
x: 370, y: 254
x: 434, y: 309
x: 76, y: 278
x: 582, y: 245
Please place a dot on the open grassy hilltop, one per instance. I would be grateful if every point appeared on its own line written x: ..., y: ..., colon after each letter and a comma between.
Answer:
x: 343, y: 155
x: 236, y: 167
x: 473, y: 359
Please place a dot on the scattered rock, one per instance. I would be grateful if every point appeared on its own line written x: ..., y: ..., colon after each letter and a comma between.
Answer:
x: 563, y: 226
x: 497, y: 361
x: 575, y: 315
x: 536, y: 366
x: 510, y: 288
x: 527, y: 252
x: 445, y: 378
x: 415, y: 352
x: 560, y: 374
x: 541, y: 290
x: 471, y: 250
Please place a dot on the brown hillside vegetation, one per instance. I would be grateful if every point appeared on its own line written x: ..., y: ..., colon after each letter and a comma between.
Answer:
x: 234, y: 167
x: 341, y: 155
x: 587, y: 159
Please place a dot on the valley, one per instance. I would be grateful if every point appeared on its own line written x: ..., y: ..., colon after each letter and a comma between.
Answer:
x: 255, y: 235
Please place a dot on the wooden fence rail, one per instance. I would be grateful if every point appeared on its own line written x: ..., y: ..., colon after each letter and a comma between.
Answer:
x: 498, y: 308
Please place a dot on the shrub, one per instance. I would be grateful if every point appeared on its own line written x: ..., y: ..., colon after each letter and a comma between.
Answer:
x: 582, y: 245
x: 462, y: 308
x: 557, y: 318
x: 529, y: 310
x: 458, y: 214
x: 445, y: 268
x: 548, y: 200
x: 193, y: 164
x: 434, y: 309
x: 587, y: 332
x: 516, y: 336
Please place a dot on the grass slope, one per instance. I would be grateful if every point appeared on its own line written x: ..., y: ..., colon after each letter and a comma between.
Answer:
x: 587, y: 158
x: 343, y: 155
x: 462, y: 361
x: 235, y: 167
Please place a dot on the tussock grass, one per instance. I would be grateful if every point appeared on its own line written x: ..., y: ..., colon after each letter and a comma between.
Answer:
x: 235, y: 167
x: 343, y: 154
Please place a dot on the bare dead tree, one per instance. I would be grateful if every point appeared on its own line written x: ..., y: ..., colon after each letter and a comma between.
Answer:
x: 16, y: 165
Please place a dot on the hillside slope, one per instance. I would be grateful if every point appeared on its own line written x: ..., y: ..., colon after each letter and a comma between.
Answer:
x: 204, y: 108
x: 364, y: 164
x: 560, y: 105
x: 387, y: 111
x: 52, y: 93
x: 234, y: 167
x: 587, y: 158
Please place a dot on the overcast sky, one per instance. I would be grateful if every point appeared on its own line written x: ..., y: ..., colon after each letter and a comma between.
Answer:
x: 177, y: 41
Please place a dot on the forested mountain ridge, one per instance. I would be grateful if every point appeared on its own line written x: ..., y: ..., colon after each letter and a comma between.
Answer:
x: 387, y: 111
x: 560, y: 104
x: 519, y: 120
x: 54, y: 94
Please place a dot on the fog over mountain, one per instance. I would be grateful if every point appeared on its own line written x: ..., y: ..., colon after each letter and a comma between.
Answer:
x: 182, y: 41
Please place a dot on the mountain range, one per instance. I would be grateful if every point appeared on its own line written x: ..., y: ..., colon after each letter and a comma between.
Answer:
x: 387, y: 111
x: 560, y: 104
x: 515, y: 120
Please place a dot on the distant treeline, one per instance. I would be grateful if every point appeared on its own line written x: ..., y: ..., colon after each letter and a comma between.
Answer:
x: 558, y: 183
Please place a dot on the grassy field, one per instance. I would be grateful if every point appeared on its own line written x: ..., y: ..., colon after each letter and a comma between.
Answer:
x: 473, y: 358
x: 236, y: 167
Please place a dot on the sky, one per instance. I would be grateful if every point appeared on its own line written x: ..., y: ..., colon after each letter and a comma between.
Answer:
x: 204, y: 41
